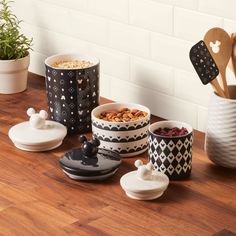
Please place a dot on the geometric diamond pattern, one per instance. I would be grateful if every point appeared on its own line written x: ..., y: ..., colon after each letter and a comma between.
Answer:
x: 170, y: 169
x: 179, y: 144
x: 55, y: 88
x: 162, y: 145
x: 170, y: 145
x: 171, y: 156
x: 71, y: 90
x: 178, y: 157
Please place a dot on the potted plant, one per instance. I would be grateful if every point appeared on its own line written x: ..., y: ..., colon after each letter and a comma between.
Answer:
x: 14, y: 52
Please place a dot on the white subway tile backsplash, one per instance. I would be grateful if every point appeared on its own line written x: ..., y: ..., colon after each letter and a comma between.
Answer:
x: 168, y: 2
x: 202, y: 118
x: 117, y: 10
x: 44, y: 15
x: 218, y: 7
x: 87, y: 27
x: 152, y: 75
x: 105, y: 85
x: 49, y: 42
x: 151, y: 15
x: 129, y: 39
x: 143, y: 46
x: 185, y: 23
x: 171, y: 51
x: 37, y: 63
x: 19, y: 8
x: 230, y: 25
x: 80, y: 5
x: 189, y: 88
x: 112, y: 62
x: 189, y: 4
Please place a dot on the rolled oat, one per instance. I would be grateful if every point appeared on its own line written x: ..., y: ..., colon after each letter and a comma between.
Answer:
x: 73, y: 64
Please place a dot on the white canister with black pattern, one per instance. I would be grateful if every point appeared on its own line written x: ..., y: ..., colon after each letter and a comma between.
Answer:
x: 126, y: 138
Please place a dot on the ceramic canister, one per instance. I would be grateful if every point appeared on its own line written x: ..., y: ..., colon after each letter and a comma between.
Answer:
x: 220, y: 141
x: 72, y: 93
x: 171, y: 155
x: 126, y: 138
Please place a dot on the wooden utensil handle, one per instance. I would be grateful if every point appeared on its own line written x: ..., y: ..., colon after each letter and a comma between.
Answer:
x: 223, y: 82
x: 217, y: 88
x: 232, y: 61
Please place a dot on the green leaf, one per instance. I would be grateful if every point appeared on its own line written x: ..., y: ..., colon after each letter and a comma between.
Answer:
x: 13, y: 44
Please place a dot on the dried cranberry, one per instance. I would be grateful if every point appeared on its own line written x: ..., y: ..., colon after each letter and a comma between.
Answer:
x: 171, y: 132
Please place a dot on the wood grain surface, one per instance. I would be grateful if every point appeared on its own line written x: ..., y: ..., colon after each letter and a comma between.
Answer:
x: 36, y: 198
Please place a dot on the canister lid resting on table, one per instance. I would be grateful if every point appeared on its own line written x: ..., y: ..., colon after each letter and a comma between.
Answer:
x: 90, y: 162
x: 145, y: 183
x: 37, y: 134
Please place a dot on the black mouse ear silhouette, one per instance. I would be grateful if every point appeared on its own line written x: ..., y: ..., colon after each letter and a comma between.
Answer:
x: 96, y: 141
x: 82, y: 138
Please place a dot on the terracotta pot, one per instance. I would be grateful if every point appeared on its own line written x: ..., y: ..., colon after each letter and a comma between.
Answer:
x: 13, y: 75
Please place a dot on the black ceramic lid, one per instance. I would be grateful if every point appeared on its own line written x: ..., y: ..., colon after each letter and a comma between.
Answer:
x: 89, y: 160
x: 86, y: 173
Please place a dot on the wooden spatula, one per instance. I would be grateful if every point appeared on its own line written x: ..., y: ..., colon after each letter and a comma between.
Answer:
x: 232, y: 61
x: 219, y: 44
x: 205, y: 66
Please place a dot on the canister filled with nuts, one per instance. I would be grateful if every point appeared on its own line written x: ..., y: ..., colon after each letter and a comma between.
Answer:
x: 121, y: 127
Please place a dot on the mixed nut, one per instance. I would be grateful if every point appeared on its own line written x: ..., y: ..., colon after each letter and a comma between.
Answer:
x: 122, y: 115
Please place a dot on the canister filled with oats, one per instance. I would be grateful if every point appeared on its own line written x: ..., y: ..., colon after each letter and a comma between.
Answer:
x: 72, y: 83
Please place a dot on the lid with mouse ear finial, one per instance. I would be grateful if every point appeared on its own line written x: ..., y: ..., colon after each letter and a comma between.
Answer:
x: 145, y: 183
x: 89, y: 162
x: 37, y: 134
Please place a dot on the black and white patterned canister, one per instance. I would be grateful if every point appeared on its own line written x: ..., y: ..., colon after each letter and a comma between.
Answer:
x: 171, y: 155
x: 72, y: 93
x: 126, y: 138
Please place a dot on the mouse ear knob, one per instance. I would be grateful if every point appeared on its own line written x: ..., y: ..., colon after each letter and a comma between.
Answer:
x: 43, y: 114
x: 30, y: 111
x: 149, y: 166
x: 138, y: 163
x: 218, y: 43
x: 96, y: 142
x: 82, y: 138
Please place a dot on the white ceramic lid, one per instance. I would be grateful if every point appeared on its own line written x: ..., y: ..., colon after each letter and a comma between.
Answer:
x: 144, y: 183
x: 37, y: 134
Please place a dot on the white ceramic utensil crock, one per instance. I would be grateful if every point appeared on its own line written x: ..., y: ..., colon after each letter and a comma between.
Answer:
x: 220, y: 141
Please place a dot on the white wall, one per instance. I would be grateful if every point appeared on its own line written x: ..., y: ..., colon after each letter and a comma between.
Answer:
x: 143, y: 46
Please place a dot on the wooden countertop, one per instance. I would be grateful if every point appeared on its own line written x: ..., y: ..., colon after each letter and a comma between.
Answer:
x: 36, y: 198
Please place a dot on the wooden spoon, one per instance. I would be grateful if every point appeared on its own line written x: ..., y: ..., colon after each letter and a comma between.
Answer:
x: 232, y: 61
x: 219, y: 44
